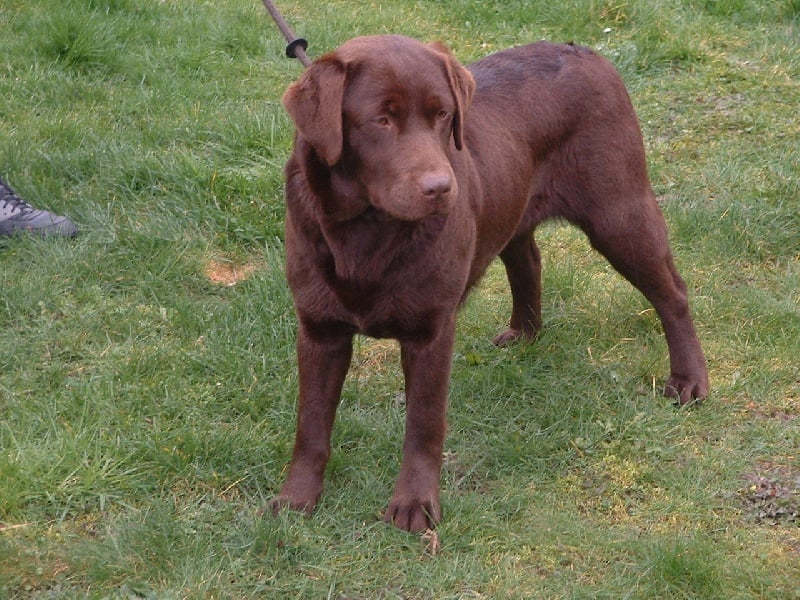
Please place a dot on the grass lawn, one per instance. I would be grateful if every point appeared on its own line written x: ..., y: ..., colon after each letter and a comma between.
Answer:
x: 147, y: 371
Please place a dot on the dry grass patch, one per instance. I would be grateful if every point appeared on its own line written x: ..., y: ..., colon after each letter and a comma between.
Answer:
x: 228, y: 273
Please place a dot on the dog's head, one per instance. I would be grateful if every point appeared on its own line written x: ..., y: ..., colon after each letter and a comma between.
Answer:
x: 383, y: 110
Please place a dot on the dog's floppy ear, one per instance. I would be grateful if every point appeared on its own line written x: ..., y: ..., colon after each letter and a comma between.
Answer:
x: 463, y: 86
x: 315, y: 104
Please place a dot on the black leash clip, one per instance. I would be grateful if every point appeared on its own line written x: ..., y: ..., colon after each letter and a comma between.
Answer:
x: 291, y: 49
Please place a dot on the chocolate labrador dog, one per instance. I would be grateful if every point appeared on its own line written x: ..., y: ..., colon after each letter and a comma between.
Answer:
x: 409, y: 175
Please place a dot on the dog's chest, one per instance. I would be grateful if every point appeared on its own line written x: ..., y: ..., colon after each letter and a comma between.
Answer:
x: 392, y: 291
x: 393, y: 305
x: 382, y: 278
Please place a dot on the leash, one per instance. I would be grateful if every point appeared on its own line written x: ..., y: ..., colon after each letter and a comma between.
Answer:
x: 297, y: 46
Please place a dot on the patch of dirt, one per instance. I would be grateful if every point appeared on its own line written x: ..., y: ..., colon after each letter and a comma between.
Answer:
x: 772, y: 495
x: 226, y: 273
x: 769, y: 412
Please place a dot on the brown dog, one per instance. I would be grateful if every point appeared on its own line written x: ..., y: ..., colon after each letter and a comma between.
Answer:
x: 409, y: 175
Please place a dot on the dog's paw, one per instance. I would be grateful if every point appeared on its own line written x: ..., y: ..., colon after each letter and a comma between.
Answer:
x: 279, y: 503
x: 304, y: 503
x: 686, y: 389
x: 413, y: 516
x: 511, y: 335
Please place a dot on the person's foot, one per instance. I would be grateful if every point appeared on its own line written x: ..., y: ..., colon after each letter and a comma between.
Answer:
x: 19, y: 217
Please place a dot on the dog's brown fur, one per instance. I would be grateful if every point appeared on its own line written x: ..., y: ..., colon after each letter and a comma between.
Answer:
x: 409, y: 175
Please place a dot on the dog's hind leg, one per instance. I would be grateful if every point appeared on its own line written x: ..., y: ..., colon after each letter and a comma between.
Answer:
x: 523, y: 264
x: 633, y: 237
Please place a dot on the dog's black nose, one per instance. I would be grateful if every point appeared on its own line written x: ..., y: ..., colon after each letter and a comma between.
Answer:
x: 434, y: 185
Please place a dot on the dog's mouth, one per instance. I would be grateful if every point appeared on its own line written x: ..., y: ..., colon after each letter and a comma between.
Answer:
x: 375, y: 214
x: 377, y: 211
x: 404, y: 205
x: 411, y: 210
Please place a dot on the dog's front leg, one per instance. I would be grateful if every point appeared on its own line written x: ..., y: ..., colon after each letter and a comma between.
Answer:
x: 323, y: 357
x: 426, y: 366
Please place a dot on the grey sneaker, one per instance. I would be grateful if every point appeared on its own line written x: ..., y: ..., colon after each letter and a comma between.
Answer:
x: 17, y: 216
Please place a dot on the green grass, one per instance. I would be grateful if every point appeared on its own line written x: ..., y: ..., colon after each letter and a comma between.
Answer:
x: 147, y: 407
